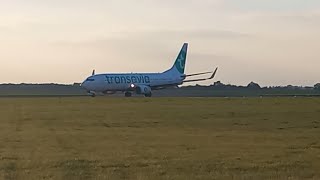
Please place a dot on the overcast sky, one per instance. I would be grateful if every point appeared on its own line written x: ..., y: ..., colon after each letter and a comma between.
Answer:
x: 271, y: 42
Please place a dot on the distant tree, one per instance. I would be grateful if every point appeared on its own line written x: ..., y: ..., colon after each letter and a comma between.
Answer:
x: 290, y: 87
x: 218, y: 84
x: 253, y: 85
x: 317, y: 86
x: 293, y: 87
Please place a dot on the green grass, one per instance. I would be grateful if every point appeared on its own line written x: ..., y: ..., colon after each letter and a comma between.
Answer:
x: 159, y: 138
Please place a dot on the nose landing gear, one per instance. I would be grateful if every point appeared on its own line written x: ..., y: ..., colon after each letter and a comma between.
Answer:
x: 148, y: 95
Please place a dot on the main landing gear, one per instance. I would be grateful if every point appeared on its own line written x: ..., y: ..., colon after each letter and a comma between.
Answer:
x: 148, y: 95
x: 92, y: 94
x: 127, y: 94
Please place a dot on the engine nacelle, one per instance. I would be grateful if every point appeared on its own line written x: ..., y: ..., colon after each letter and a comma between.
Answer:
x: 142, y: 89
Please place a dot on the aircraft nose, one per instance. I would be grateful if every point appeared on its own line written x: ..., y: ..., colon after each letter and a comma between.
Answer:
x: 84, y: 85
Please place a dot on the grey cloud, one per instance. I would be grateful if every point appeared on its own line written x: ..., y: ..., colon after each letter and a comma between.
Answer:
x: 5, y: 28
x: 195, y: 34
x: 148, y: 45
x: 157, y: 36
x: 313, y: 19
x: 298, y: 18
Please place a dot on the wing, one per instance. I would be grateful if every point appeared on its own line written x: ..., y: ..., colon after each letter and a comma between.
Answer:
x: 189, y: 75
x: 203, y: 79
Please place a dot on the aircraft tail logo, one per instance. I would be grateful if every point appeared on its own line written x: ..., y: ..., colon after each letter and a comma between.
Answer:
x: 180, y: 62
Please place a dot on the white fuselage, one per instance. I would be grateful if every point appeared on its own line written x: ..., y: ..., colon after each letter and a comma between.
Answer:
x: 124, y: 82
x: 142, y: 83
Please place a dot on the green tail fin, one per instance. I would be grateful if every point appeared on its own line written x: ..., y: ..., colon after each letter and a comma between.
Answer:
x: 180, y: 62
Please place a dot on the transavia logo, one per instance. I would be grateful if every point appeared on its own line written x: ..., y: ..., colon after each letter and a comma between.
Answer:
x: 127, y: 79
x: 181, y: 60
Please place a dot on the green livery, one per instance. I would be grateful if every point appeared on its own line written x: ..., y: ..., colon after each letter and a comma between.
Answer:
x: 181, y: 59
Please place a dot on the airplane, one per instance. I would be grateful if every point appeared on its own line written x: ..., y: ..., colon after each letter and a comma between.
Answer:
x: 142, y: 83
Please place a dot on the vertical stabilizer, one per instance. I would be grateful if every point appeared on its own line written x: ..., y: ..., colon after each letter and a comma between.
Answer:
x: 180, y: 63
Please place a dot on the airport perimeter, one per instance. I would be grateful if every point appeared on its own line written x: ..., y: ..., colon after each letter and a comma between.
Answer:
x: 159, y: 138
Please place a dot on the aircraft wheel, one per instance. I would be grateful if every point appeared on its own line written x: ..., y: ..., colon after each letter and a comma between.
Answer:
x: 127, y: 94
x: 148, y: 95
x: 91, y: 93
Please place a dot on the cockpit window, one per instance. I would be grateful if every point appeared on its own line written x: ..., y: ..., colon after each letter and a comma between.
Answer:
x: 90, y: 79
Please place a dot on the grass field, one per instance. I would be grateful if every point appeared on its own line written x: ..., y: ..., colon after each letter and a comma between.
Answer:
x: 160, y: 138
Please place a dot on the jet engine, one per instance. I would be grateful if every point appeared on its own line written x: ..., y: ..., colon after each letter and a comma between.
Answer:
x: 142, y: 89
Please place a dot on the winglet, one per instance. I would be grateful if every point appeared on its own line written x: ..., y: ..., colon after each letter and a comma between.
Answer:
x: 93, y: 72
x: 214, y: 73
